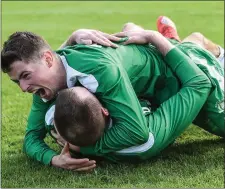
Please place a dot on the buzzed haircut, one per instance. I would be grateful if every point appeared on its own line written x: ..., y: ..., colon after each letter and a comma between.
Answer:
x: 21, y: 46
x: 78, y: 119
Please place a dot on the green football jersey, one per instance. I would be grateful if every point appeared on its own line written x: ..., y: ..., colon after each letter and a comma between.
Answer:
x: 211, y: 117
x: 168, y: 121
x: 116, y: 77
x: 100, y: 71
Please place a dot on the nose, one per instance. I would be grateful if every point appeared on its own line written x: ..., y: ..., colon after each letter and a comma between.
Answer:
x: 24, y: 86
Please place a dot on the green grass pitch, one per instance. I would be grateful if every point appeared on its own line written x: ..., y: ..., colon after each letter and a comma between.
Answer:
x: 195, y: 160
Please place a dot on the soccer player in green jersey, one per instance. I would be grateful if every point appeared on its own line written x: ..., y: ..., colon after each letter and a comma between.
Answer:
x: 216, y: 113
x: 40, y: 80
x: 163, y: 125
x: 211, y: 118
x: 69, y: 107
x: 95, y: 67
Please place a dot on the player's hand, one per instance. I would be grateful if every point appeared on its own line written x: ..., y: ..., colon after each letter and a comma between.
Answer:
x: 147, y: 36
x: 58, y: 138
x: 88, y: 37
x: 74, y: 148
x: 62, y: 142
x: 136, y: 36
x: 65, y: 161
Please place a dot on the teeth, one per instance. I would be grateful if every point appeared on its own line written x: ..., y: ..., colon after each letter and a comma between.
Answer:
x: 35, y: 91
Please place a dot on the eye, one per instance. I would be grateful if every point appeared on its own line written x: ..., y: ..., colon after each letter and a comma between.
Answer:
x: 26, y: 76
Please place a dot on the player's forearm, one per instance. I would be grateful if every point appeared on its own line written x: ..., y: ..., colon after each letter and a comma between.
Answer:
x: 160, y: 42
x: 37, y: 149
x: 176, y: 114
x: 34, y: 145
x: 187, y: 71
x: 181, y: 64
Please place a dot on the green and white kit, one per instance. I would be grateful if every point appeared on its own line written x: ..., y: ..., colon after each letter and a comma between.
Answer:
x: 117, y: 77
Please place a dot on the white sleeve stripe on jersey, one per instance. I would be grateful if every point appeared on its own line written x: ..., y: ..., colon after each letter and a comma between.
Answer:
x: 140, y: 148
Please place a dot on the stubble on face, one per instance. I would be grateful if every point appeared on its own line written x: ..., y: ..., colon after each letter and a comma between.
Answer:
x: 39, y: 78
x: 60, y: 75
x: 56, y: 78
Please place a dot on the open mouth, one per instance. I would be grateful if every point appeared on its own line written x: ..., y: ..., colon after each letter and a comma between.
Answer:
x: 40, y: 92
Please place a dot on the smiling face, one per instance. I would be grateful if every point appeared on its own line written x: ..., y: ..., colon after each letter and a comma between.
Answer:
x: 43, y: 77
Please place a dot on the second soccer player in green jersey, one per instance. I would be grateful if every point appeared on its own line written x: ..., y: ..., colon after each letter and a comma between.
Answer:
x: 139, y: 136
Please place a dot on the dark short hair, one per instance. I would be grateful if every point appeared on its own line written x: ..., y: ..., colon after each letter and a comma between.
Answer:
x: 78, y: 120
x: 21, y: 46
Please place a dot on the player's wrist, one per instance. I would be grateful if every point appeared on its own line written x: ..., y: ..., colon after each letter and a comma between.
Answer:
x: 54, y: 161
x: 158, y: 40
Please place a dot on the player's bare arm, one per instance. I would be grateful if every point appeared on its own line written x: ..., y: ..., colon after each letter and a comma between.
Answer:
x: 88, y: 37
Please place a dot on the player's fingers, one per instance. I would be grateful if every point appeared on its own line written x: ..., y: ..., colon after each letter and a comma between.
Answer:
x: 81, y: 165
x: 74, y: 148
x: 76, y: 163
x: 60, y: 143
x: 101, y: 36
x: 86, y: 41
x: 120, y: 34
x: 87, y: 164
x: 111, y: 37
x: 86, y: 169
x: 111, y: 44
x: 130, y: 41
x: 54, y: 134
x: 99, y: 41
x: 65, y: 149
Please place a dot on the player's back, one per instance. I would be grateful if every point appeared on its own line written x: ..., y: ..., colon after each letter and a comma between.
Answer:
x: 150, y: 76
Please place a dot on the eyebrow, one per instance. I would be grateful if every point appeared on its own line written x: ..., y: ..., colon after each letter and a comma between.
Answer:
x: 21, y: 74
x: 17, y: 81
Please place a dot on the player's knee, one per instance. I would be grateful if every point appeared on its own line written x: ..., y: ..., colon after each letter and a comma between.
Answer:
x: 197, y: 35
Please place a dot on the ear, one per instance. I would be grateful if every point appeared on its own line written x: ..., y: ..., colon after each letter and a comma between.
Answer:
x: 48, y: 58
x: 105, y: 112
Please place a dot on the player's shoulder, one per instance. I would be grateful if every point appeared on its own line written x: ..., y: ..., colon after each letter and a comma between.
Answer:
x: 81, y: 48
x: 83, y: 53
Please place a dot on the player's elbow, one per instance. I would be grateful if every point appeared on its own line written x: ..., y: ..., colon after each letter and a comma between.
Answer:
x: 205, y: 82
x: 143, y: 137
x: 140, y: 132
x: 200, y: 82
x: 25, y: 144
